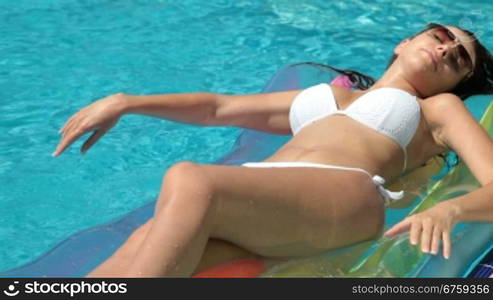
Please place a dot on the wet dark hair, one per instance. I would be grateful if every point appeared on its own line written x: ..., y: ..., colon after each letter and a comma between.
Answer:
x: 359, y: 80
x: 481, y: 81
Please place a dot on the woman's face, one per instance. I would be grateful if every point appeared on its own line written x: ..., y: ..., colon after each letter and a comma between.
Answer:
x: 436, y: 60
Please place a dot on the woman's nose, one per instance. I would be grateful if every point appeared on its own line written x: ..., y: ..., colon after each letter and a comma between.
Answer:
x: 444, y: 50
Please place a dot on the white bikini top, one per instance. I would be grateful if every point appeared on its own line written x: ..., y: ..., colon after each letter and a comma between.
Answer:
x: 390, y: 111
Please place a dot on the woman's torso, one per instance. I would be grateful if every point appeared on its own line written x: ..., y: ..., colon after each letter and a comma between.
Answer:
x: 339, y: 140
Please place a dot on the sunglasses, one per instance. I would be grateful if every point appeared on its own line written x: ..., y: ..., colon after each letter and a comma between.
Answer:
x: 444, y: 35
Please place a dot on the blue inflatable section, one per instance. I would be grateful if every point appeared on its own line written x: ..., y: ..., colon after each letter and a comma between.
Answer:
x: 79, y: 254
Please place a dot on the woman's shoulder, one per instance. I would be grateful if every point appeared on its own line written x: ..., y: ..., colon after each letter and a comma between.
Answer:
x: 439, y: 110
x: 444, y: 111
x: 442, y: 106
x: 444, y: 101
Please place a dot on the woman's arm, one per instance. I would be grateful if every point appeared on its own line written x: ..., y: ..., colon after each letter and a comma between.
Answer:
x: 189, y: 108
x: 102, y: 115
x: 472, y: 143
x: 460, y: 132
x: 476, y: 206
x: 265, y: 112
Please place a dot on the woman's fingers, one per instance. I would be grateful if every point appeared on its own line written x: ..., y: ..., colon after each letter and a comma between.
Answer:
x: 93, y: 139
x: 435, y: 243
x: 99, y: 116
x: 416, y: 228
x: 398, y: 228
x: 67, y: 140
x: 427, y: 229
x: 426, y: 235
x: 74, y: 125
x: 77, y: 116
x: 67, y: 123
x: 66, y: 135
x: 447, y: 244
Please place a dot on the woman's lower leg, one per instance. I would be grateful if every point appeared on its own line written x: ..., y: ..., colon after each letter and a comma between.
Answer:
x: 120, y: 261
x: 174, y: 244
x: 181, y: 228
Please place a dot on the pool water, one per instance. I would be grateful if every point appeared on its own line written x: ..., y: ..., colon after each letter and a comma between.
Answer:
x: 59, y: 56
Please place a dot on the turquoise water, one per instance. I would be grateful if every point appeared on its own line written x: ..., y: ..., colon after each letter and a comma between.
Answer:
x: 58, y: 56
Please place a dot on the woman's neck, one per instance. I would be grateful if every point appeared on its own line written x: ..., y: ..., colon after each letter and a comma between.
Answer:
x: 397, y: 81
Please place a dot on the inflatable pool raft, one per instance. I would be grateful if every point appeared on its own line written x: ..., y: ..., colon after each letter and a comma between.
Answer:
x: 382, y: 257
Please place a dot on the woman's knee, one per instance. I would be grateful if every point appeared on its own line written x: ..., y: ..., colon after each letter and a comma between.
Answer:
x: 185, y: 181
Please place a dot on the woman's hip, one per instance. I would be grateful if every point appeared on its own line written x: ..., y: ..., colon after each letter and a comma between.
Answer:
x: 294, y: 211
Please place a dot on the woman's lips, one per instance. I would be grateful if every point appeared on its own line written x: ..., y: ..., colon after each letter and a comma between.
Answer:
x: 433, y: 58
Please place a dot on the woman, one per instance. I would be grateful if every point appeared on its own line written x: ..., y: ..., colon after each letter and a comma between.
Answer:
x: 323, y: 183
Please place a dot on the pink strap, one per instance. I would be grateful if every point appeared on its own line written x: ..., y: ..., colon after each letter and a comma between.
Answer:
x: 342, y: 80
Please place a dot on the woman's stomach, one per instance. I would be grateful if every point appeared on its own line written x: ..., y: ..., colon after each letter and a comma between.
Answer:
x: 339, y: 140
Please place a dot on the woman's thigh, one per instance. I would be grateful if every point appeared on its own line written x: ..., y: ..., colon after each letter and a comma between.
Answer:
x: 294, y: 211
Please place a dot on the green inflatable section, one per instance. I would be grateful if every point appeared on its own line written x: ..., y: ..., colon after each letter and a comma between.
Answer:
x: 396, y: 257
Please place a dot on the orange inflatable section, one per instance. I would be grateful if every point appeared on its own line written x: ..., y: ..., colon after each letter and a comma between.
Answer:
x: 226, y: 260
x: 239, y: 268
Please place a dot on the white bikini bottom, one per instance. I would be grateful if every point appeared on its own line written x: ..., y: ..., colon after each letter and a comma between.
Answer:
x: 388, y: 196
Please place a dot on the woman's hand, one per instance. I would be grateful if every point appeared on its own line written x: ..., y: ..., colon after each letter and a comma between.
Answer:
x: 430, y: 226
x: 99, y: 117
